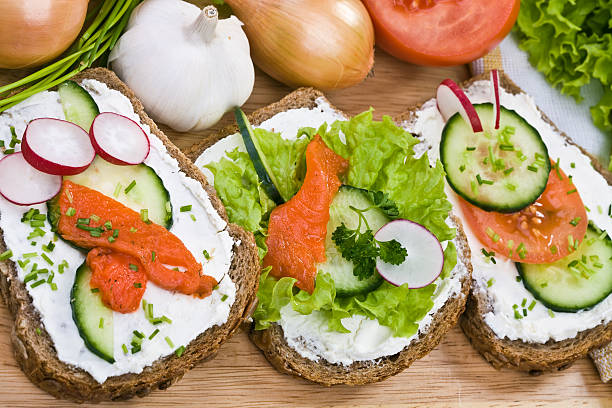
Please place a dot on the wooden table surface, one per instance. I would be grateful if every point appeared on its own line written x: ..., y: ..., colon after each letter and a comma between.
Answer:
x: 453, y: 374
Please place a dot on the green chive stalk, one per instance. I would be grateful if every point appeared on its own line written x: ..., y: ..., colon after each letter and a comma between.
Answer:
x: 108, y: 20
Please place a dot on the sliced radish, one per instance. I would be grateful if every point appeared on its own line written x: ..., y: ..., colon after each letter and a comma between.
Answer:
x: 118, y: 139
x: 425, y: 257
x: 451, y: 99
x: 57, y: 147
x: 22, y: 184
x: 495, y: 97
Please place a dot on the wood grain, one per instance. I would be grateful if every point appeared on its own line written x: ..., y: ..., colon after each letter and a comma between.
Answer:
x: 452, y: 375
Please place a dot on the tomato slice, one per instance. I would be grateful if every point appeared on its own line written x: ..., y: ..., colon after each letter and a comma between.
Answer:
x: 545, y: 228
x: 441, y: 32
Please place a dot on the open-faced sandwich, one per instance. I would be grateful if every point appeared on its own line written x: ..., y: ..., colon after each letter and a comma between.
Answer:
x: 118, y: 262
x: 537, y: 213
x: 364, y: 266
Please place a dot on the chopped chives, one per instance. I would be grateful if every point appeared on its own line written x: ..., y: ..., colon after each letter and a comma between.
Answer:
x: 193, y: 218
x: 138, y: 285
x: 543, y: 284
x: 532, y: 168
x: 470, y: 148
x: 532, y: 305
x: 117, y: 190
x: 525, y: 312
x: 556, y: 166
x: 138, y: 334
x: 510, y: 186
x: 522, y: 255
x: 551, y: 313
x: 519, y: 278
x: 115, y: 233
x: 524, y: 302
x: 111, y: 239
x: 95, y: 233
x: 206, y: 254
x: 38, y: 331
x: 38, y: 283
x: 166, y: 319
x: 517, y: 315
x: 46, y: 258
x: 130, y: 187
x: 39, y: 217
x: 37, y: 223
x: 150, y: 310
x: 29, y: 255
x: 30, y: 277
x: 185, y: 208
x: 133, y: 267
x: 482, y: 181
x: 6, y: 255
x: 179, y: 351
x: 23, y: 263
x: 508, y: 171
x: 94, y: 217
x: 553, y: 249
x: 27, y: 216
x: 144, y: 215
x: 168, y: 207
x: 124, y: 348
x: 169, y: 342
x: 462, y: 168
x: 95, y: 290
x: 101, y: 324
x: 573, y: 165
x: 515, y: 306
x: 49, y: 247
x: 108, y: 225
x: 83, y: 221
x: 132, y: 229
x: 224, y: 298
x: 153, y: 334
x: 506, y: 147
x: 50, y: 278
x: 571, y: 191
x: 70, y: 212
x: 490, y: 282
x: 152, y: 256
x: 575, y: 221
x: 9, y: 151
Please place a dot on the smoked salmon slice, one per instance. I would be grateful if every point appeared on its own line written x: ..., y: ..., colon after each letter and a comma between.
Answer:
x: 98, y: 221
x: 297, y: 228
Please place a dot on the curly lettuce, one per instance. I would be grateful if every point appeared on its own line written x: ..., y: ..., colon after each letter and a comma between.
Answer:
x: 570, y: 42
x: 381, y: 158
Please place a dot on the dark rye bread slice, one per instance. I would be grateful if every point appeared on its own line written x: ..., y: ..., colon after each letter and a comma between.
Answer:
x: 35, y: 353
x: 272, y: 341
x: 516, y: 354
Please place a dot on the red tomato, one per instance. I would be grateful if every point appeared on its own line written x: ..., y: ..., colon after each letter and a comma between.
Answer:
x: 544, y: 228
x: 441, y: 32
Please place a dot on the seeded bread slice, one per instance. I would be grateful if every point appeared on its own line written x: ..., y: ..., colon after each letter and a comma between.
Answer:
x: 272, y: 342
x: 35, y: 352
x: 532, y: 357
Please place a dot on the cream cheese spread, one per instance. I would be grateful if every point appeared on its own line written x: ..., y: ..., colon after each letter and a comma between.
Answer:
x: 538, y: 326
x: 190, y: 316
x: 309, y: 334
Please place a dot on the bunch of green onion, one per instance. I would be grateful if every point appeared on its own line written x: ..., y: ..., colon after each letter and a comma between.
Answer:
x: 108, y: 20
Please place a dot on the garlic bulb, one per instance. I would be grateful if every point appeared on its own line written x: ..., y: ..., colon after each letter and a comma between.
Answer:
x: 186, y: 66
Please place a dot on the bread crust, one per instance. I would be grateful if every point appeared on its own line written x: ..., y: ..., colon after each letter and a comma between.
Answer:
x: 516, y: 354
x: 35, y: 352
x: 272, y: 342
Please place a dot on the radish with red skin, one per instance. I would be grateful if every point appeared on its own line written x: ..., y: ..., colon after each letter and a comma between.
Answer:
x: 425, y: 257
x: 57, y: 147
x: 495, y: 97
x: 22, y: 184
x: 119, y: 140
x: 451, y: 99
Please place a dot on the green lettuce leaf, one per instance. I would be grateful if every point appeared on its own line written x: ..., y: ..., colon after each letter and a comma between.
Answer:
x: 570, y: 42
x: 382, y: 159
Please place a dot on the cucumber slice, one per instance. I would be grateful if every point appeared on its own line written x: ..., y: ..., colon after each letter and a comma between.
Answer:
x: 89, y: 313
x: 112, y: 180
x: 259, y: 160
x: 569, y: 285
x: 78, y: 105
x: 501, y: 170
x: 340, y: 269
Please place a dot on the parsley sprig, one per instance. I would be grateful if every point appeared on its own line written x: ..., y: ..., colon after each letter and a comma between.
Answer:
x: 361, y: 247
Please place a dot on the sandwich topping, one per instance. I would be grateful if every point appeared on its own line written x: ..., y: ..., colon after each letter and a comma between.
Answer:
x: 121, y: 260
x: 544, y: 268
x: 351, y: 311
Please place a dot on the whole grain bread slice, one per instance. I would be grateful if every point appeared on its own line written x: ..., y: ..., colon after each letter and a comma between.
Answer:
x: 516, y: 354
x: 35, y: 352
x: 272, y: 342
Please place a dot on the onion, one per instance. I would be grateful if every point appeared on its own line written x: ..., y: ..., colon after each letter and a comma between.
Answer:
x: 33, y: 32
x: 326, y: 44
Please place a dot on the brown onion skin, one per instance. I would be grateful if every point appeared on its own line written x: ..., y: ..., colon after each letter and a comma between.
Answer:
x: 33, y: 32
x: 326, y: 44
